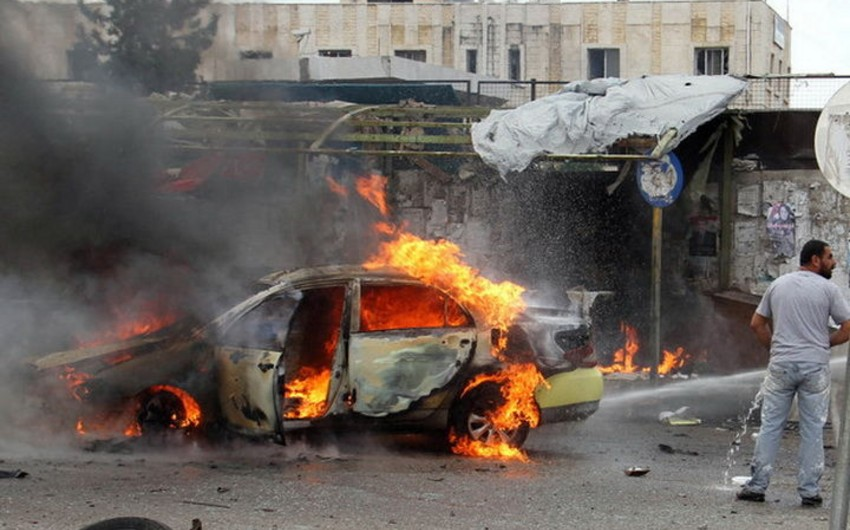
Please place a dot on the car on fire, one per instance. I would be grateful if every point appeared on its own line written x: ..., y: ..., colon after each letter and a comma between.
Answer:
x: 333, y: 346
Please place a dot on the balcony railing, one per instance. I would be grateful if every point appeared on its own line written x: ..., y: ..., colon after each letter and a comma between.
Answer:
x: 775, y: 92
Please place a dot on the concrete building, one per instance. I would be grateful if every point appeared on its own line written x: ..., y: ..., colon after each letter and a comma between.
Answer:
x: 511, y: 41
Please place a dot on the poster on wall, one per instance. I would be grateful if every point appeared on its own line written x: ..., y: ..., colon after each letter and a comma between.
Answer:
x: 781, y: 230
x: 703, y: 237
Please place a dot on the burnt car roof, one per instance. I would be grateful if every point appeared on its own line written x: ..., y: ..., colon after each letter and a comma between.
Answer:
x: 332, y: 273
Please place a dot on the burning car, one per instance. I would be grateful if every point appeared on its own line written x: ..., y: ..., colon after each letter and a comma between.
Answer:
x: 340, y: 346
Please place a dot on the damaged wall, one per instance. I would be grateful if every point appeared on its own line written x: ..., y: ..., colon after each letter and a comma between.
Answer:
x: 775, y: 213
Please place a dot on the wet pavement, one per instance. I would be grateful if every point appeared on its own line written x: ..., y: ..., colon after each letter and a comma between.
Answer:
x: 576, y: 476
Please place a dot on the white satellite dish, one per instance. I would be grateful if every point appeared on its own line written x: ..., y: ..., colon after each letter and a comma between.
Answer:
x: 832, y: 140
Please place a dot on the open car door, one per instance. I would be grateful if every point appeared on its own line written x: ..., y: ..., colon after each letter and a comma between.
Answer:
x: 249, y: 367
x: 276, y: 362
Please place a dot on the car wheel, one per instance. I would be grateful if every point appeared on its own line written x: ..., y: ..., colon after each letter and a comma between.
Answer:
x: 160, y: 410
x: 127, y: 523
x: 470, y: 418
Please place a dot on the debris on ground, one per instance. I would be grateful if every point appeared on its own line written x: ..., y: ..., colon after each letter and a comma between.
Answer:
x: 678, y: 417
x: 636, y: 471
x: 672, y: 451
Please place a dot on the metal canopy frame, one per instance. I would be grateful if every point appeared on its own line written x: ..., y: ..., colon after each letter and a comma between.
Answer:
x: 348, y: 130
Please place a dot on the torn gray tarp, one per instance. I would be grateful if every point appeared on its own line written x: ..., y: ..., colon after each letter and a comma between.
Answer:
x: 590, y: 116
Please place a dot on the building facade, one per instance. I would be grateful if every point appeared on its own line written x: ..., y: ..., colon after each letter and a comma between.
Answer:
x: 512, y: 41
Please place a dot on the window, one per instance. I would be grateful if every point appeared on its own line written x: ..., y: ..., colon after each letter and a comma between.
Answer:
x: 255, y: 54
x: 514, y: 64
x: 779, y: 31
x: 711, y: 61
x: 387, y: 307
x: 334, y: 53
x: 264, y: 327
x: 414, y: 55
x: 472, y: 61
x: 603, y: 62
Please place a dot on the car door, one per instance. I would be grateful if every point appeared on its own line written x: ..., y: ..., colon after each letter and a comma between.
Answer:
x: 280, y: 361
x: 249, y: 368
x: 407, y: 341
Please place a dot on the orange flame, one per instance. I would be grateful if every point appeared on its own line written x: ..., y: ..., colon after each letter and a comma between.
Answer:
x: 191, y: 416
x: 126, y: 421
x: 516, y: 383
x: 336, y: 187
x: 372, y: 188
x: 309, y: 391
x: 468, y: 447
x: 129, y: 323
x: 76, y: 382
x: 624, y: 358
x: 110, y: 424
x: 440, y: 264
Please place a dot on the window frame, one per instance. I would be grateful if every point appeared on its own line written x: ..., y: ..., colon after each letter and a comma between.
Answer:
x: 514, y: 63
x: 450, y: 307
x: 472, y: 60
x: 705, y: 57
x: 607, y: 56
x: 335, y: 52
x: 412, y: 54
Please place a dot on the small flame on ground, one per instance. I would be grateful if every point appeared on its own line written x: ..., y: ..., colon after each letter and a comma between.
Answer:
x: 624, y: 359
x: 124, y: 423
x: 468, y: 447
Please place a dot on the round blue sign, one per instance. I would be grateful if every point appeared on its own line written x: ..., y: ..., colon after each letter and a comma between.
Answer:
x: 660, y: 181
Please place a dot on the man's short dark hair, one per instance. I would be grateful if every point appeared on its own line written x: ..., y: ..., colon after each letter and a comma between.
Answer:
x: 812, y: 248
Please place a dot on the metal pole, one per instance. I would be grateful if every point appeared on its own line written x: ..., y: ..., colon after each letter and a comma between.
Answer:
x: 726, y: 208
x: 655, y: 297
x: 838, y: 514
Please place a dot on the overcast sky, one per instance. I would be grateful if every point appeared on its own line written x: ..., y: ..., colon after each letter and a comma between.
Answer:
x: 820, y: 30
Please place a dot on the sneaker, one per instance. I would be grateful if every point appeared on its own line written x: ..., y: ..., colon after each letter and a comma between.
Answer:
x: 813, y: 502
x: 753, y: 496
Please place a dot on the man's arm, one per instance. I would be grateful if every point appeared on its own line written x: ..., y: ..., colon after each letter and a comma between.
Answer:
x: 761, y: 327
x: 842, y: 335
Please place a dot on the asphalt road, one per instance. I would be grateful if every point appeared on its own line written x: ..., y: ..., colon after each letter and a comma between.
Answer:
x: 575, y: 477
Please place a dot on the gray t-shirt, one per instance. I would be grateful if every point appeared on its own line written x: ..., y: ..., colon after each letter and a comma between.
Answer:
x: 799, y: 305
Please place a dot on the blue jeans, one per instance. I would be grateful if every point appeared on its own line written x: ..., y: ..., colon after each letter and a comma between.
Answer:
x: 810, y: 382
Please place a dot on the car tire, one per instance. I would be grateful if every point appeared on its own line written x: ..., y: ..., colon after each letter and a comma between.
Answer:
x: 468, y: 418
x: 127, y: 523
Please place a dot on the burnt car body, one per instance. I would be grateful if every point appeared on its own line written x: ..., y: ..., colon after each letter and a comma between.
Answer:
x: 329, y: 346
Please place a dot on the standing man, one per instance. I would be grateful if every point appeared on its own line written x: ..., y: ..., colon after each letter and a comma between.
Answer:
x: 793, y: 321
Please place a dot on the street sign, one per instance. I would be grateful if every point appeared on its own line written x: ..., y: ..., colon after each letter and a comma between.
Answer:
x: 660, y: 181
